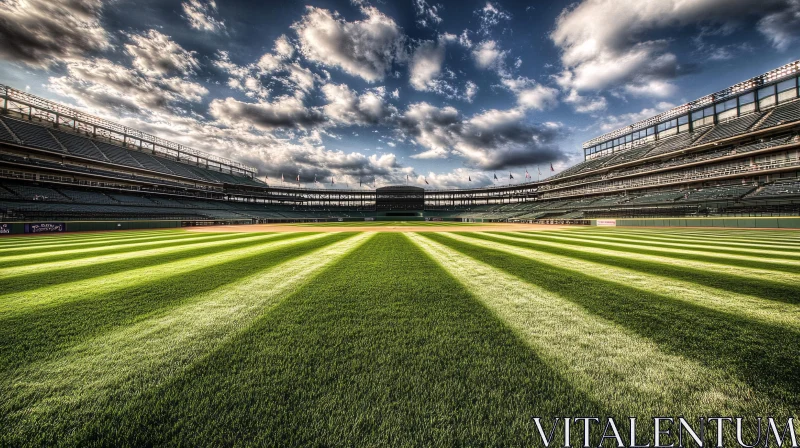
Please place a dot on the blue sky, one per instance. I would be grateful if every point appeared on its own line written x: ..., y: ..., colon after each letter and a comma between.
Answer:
x: 417, y: 89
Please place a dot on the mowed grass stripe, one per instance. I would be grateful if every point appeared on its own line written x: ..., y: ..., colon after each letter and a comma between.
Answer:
x: 750, y: 261
x: 780, y: 244
x: 48, y: 401
x: 594, y: 354
x: 743, y: 236
x: 82, y: 270
x: 130, y: 254
x: 714, y: 242
x: 9, y: 253
x: 739, y: 283
x: 745, y: 306
x: 382, y: 349
x: 762, y: 355
x: 44, y: 332
x: 49, y: 240
x: 85, y: 288
x: 675, y: 243
x: 110, y: 249
x: 740, y: 269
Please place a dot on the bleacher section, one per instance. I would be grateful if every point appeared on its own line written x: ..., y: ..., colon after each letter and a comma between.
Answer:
x: 782, y: 114
x: 43, y: 136
x: 731, y: 128
x: 33, y: 135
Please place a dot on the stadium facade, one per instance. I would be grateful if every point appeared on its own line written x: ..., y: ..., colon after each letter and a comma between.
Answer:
x: 733, y: 153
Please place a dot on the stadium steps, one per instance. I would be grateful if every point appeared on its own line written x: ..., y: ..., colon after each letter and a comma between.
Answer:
x: 782, y: 188
x: 118, y: 155
x: 7, y: 194
x: 78, y: 146
x: 6, y: 133
x: 34, y: 135
x: 782, y: 114
x: 730, y: 128
x: 150, y: 162
x: 761, y: 121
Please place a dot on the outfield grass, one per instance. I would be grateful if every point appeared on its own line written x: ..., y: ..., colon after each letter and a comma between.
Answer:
x: 367, y: 339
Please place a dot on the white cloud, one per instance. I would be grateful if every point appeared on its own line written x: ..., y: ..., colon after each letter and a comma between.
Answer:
x: 464, y: 39
x: 344, y: 106
x: 490, y: 16
x: 531, y: 95
x: 157, y: 55
x: 586, y: 104
x: 488, y: 55
x: 427, y: 15
x: 426, y: 64
x: 283, y: 47
x: 782, y: 27
x: 201, y: 15
x: 282, y: 113
x: 41, y: 32
x: 365, y: 48
x: 112, y: 89
x: 653, y: 88
x: 493, y: 139
x: 606, y: 42
x: 470, y: 90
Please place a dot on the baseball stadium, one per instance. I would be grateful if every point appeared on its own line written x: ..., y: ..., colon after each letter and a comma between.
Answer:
x: 153, y: 294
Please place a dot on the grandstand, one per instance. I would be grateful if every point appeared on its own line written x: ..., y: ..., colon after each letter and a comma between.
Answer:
x: 731, y: 153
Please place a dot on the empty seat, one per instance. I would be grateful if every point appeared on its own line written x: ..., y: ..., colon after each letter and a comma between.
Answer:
x: 118, y: 155
x: 33, y: 135
x: 79, y: 146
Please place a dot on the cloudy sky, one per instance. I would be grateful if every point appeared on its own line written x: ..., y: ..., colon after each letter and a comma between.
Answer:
x: 437, y: 91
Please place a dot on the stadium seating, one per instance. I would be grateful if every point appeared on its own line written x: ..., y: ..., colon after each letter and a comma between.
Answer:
x: 32, y: 135
x: 784, y: 113
x: 79, y: 146
x: 778, y: 189
x: 731, y: 128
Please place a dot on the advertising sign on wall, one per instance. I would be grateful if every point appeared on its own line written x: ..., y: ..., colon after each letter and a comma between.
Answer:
x: 45, y: 227
x: 5, y: 229
x: 607, y: 222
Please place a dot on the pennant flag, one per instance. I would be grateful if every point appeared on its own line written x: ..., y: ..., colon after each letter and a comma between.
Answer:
x: 495, y: 176
x: 510, y: 176
x: 315, y: 179
x: 539, y: 169
x: 470, y: 178
x: 551, y: 167
x: 332, y: 180
x: 281, y: 177
x: 359, y: 181
x: 527, y: 176
x: 426, y: 182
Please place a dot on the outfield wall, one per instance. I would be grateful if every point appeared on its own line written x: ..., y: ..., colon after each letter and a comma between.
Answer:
x: 787, y: 222
x: 94, y: 226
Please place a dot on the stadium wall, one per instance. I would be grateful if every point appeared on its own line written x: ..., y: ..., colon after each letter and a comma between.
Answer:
x: 14, y: 228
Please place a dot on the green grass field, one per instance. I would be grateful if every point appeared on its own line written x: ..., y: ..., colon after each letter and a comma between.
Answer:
x: 389, y: 339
